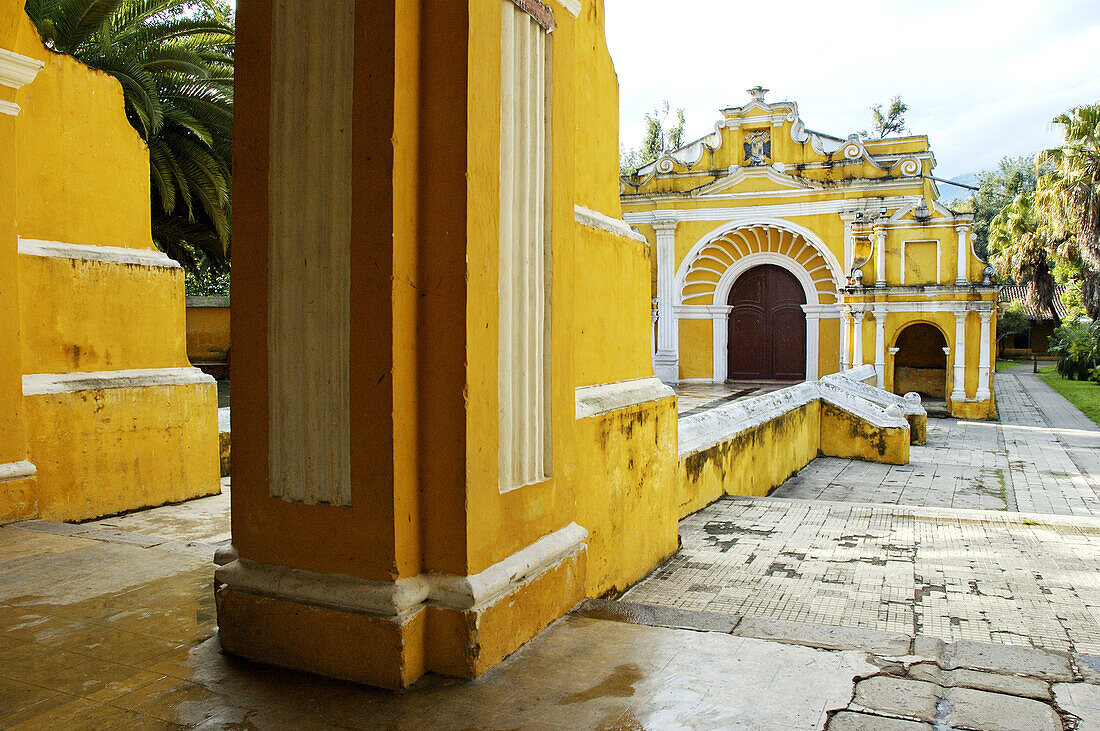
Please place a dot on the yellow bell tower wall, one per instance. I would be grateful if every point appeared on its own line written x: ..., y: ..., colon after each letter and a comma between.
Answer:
x: 112, y: 417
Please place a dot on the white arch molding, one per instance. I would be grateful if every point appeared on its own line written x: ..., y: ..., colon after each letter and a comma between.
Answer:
x: 814, y: 241
x: 720, y: 310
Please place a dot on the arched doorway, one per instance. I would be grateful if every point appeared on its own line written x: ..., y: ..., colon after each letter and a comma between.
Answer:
x: 920, y: 364
x: 767, y: 326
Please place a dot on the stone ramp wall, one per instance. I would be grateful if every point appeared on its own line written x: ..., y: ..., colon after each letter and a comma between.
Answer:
x: 751, y: 447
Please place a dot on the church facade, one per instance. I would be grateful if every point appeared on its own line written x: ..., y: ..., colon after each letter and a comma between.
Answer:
x: 781, y: 253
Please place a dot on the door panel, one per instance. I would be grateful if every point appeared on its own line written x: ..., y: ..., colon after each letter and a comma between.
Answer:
x: 767, y: 327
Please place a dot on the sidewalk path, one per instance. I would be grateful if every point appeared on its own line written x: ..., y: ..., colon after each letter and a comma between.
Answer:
x: 1042, y: 457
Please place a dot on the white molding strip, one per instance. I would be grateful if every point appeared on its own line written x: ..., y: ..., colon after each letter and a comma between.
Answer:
x: 595, y: 219
x: 572, y: 6
x: 10, y: 471
x: 17, y: 70
x: 105, y: 254
x: 877, y: 396
x: 607, y: 397
x: 778, y: 210
x: 709, y: 428
x: 468, y: 593
x: 38, y: 384
x: 402, y: 597
x: 9, y: 108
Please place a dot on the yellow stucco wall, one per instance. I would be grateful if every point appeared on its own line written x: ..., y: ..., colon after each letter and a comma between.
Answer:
x: 754, y: 463
x: 72, y: 130
x: 94, y: 316
x: 89, y: 467
x: 207, y: 334
x: 611, y: 304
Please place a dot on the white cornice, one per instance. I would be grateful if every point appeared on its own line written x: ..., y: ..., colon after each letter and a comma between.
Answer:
x: 573, y: 6
x: 594, y: 219
x: 401, y: 598
x: 738, y: 175
x: 38, y: 384
x: 874, y: 186
x: 105, y: 254
x: 10, y: 471
x: 17, y: 70
x: 9, y: 108
x: 779, y: 210
x: 607, y: 397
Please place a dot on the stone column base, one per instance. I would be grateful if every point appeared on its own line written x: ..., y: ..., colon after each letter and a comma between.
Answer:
x: 388, y: 634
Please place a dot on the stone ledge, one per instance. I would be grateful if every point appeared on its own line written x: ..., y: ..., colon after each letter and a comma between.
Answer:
x: 600, y: 222
x: 38, y: 384
x: 607, y: 397
x: 652, y: 615
x: 102, y: 254
x: 823, y: 637
x: 10, y: 471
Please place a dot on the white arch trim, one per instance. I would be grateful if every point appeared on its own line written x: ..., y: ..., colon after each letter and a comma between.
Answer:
x: 835, y: 268
x: 721, y: 310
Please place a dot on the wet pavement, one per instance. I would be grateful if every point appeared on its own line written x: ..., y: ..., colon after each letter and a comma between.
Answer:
x: 778, y: 614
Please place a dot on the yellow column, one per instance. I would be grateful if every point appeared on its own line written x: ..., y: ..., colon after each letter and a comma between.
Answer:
x: 365, y: 320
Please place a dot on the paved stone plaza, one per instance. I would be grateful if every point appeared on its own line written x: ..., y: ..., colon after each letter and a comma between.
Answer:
x: 1042, y: 457
x: 989, y: 534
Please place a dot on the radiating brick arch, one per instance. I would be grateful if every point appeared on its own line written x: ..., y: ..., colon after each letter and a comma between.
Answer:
x: 699, y: 278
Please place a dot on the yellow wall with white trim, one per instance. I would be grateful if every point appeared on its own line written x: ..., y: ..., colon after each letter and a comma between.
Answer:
x: 79, y: 175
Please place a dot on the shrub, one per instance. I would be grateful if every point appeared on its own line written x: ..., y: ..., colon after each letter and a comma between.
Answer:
x: 1077, y: 345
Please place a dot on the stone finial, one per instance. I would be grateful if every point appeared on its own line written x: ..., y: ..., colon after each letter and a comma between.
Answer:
x: 895, y: 411
x: 757, y: 93
x: 912, y: 397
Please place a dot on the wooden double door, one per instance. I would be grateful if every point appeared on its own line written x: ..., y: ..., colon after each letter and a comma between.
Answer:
x: 767, y: 326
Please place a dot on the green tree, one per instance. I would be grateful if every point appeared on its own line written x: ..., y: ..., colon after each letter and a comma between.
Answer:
x: 1069, y: 197
x: 996, y: 189
x: 1021, y: 251
x: 888, y: 121
x: 660, y: 135
x: 1011, y: 321
x: 174, y: 60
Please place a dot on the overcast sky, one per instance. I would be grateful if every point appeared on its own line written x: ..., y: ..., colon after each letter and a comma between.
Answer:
x: 982, y: 79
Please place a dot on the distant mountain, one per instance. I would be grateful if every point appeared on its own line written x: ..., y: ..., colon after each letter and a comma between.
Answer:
x: 950, y: 192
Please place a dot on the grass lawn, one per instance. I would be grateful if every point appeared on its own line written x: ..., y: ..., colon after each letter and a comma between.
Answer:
x: 1085, y: 395
x: 1004, y: 363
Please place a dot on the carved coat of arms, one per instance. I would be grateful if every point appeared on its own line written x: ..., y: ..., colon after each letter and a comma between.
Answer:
x: 758, y: 147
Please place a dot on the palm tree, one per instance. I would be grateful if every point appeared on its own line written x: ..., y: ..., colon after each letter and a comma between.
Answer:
x: 174, y: 60
x: 1069, y: 196
x: 1021, y: 252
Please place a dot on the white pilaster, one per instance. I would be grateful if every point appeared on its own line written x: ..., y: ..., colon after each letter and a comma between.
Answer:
x: 983, y: 393
x: 812, y: 343
x: 849, y: 246
x: 653, y: 326
x: 880, y: 347
x: 958, y: 390
x: 964, y: 249
x: 666, y: 360
x: 880, y: 257
x: 720, y: 318
x: 857, y: 342
x: 845, y: 337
